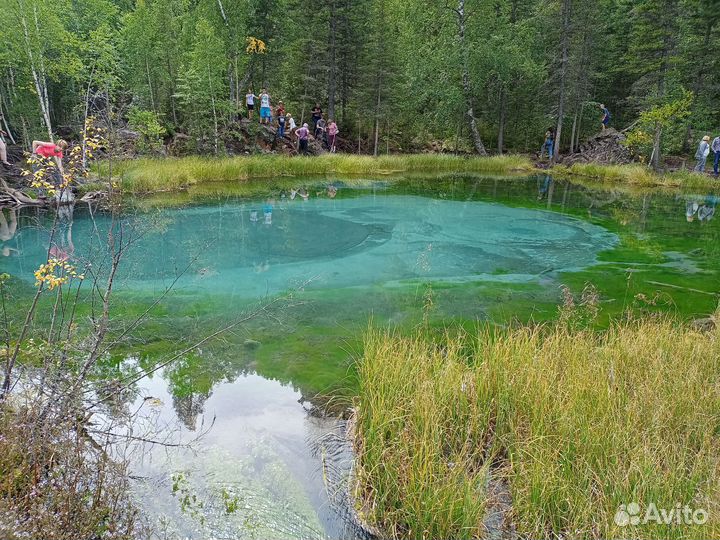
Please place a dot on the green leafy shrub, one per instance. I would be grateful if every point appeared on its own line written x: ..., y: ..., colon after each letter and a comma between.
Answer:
x: 149, y: 129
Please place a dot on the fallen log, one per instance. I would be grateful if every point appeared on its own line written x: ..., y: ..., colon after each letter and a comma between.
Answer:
x: 13, y: 198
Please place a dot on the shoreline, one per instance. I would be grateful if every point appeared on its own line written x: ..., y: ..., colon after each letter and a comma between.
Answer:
x: 147, y: 176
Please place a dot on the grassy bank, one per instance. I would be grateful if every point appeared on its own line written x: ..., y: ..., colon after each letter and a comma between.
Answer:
x: 157, y: 175
x: 635, y: 175
x: 148, y: 175
x: 577, y: 422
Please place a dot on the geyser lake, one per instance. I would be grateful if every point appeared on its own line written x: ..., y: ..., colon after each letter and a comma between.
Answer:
x: 264, y: 462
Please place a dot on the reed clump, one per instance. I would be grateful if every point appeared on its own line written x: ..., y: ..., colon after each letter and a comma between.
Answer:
x: 151, y: 175
x: 577, y: 422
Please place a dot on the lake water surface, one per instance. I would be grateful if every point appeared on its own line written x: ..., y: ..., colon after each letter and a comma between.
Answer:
x: 262, y: 461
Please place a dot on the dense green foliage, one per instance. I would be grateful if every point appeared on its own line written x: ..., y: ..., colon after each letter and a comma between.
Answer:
x: 390, y: 71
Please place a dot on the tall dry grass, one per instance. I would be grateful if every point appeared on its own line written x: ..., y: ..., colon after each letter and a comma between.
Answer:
x: 581, y: 422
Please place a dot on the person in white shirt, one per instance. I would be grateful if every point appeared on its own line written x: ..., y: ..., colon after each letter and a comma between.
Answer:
x: 250, y: 103
x: 290, y: 121
x: 702, y: 153
x: 265, y: 111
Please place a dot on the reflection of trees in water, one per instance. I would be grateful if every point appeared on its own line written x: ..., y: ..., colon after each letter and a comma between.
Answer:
x: 189, y: 407
x: 62, y: 246
x: 192, y: 379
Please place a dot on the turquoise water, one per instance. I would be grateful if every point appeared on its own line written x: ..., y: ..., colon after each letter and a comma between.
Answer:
x: 241, y: 251
x: 428, y: 251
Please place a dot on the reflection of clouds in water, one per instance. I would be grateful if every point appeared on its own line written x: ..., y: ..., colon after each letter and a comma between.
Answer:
x: 264, y: 459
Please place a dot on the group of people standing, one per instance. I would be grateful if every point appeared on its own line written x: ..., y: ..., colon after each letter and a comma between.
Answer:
x: 325, y: 131
x: 703, y: 151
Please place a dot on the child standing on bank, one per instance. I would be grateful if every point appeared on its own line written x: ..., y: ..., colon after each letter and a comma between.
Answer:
x: 290, y: 122
x: 265, y: 112
x: 281, y: 120
x: 332, y: 131
x: 250, y: 103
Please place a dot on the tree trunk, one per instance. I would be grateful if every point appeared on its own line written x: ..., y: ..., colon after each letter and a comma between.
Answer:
x: 152, y: 98
x: 563, y: 73
x: 305, y: 95
x: 581, y: 90
x: 572, y: 133
x: 5, y: 123
x: 579, y: 125
x: 222, y: 12
x: 657, y: 137
x: 215, y: 118
x: 377, y: 119
x: 232, y: 86
x: 501, y: 122
x: 85, y: 120
x: 467, y: 89
x: 657, y: 141
x: 332, y: 77
x: 215, y: 124
x: 37, y: 73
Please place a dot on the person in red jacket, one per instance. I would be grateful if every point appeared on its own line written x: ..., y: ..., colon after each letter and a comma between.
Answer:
x: 48, y: 149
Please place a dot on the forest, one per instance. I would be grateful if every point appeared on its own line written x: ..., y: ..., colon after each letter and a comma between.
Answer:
x: 206, y: 335
x: 484, y: 76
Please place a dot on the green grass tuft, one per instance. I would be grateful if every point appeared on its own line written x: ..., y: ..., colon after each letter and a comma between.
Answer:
x: 151, y: 175
x: 636, y: 174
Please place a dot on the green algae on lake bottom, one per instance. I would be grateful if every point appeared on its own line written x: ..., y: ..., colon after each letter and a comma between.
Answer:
x: 405, y: 252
